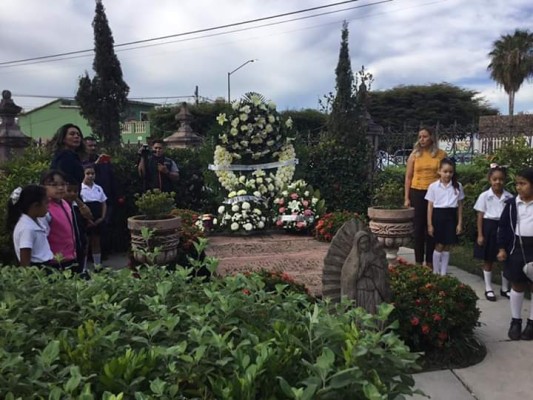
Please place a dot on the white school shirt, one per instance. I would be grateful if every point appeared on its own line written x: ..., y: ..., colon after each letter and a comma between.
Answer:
x: 525, y: 218
x: 29, y: 234
x: 444, y: 196
x: 94, y: 193
x: 490, y: 205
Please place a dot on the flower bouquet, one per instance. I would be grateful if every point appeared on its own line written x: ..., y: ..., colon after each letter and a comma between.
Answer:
x: 241, y: 213
x: 298, y: 207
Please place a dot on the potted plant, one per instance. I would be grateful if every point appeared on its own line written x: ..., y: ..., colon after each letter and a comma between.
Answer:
x: 155, y: 233
x: 390, y: 221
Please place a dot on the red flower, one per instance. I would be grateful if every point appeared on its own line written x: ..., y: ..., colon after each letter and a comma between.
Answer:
x: 415, y: 321
x: 429, y: 286
x: 425, y: 329
x: 437, y: 317
x: 418, y: 302
x: 246, y: 292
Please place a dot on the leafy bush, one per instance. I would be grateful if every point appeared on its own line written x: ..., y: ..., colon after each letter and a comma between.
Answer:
x: 340, y: 172
x: 191, y: 230
x: 167, y: 336
x: 155, y: 204
x: 436, y: 313
x: 389, y: 195
x: 328, y: 225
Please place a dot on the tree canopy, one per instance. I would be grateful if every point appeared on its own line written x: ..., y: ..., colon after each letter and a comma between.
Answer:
x: 511, y: 62
x: 103, y: 98
x: 416, y: 105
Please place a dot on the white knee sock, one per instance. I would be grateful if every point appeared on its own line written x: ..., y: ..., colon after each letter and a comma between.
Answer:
x: 444, y: 262
x: 517, y: 299
x: 97, y: 258
x: 488, y: 280
x: 505, y: 283
x: 436, y: 261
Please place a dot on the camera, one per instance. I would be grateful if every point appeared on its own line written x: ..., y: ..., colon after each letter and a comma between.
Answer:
x: 145, y: 150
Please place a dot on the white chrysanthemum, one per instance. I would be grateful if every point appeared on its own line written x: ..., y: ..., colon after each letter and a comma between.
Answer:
x: 257, y: 193
x: 260, y: 224
x: 257, y: 211
x: 235, y: 122
x: 306, y: 193
x: 243, y: 117
x: 235, y: 208
x: 288, y: 123
x: 221, y: 209
x: 248, y: 226
x: 246, y: 109
x: 234, y: 226
x: 269, y: 129
x: 242, y: 179
x: 245, y: 205
x: 215, y: 221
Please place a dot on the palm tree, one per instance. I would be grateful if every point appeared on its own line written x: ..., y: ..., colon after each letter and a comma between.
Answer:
x: 512, y: 62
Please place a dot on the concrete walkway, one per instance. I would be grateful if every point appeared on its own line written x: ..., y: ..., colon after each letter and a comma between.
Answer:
x: 506, y: 371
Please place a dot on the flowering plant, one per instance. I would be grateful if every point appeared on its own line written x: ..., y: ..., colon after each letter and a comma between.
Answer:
x: 328, y: 224
x: 434, y: 312
x: 241, y: 213
x: 298, y: 207
x: 191, y: 228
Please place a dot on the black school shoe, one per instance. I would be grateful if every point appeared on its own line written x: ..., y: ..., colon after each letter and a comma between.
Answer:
x: 527, y: 334
x: 515, y: 330
x: 505, y: 293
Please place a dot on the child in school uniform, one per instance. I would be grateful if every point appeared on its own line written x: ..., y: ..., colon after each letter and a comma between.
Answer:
x: 515, y: 243
x: 489, y: 207
x: 25, y: 210
x: 61, y: 235
x: 94, y: 197
x: 445, y: 214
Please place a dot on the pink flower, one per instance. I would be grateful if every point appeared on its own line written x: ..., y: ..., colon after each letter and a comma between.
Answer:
x: 425, y: 329
x: 281, y: 210
x: 279, y: 222
x: 415, y: 321
x: 281, y: 201
x: 305, y: 203
x: 301, y: 224
x: 294, y: 196
x: 308, y: 213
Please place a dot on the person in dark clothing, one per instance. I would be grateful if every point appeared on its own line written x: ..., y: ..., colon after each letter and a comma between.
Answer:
x: 68, y: 147
x: 158, y: 171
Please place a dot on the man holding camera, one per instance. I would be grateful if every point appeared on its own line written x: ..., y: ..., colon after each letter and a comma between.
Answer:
x: 157, y: 171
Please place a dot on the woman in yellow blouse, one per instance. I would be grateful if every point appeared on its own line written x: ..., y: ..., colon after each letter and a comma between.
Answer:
x: 422, y: 167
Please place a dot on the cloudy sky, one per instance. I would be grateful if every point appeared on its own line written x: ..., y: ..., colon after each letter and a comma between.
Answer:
x: 401, y: 42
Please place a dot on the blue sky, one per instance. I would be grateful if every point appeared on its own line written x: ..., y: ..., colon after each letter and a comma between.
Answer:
x: 400, y: 42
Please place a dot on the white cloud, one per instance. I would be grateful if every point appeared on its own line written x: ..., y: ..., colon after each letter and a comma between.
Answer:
x: 401, y: 42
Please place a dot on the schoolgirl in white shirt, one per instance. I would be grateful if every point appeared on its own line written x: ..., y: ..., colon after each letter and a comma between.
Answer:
x: 25, y: 209
x: 489, y: 207
x: 445, y: 214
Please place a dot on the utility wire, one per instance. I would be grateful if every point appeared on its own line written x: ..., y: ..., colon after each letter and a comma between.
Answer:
x: 5, y: 63
x: 46, y: 60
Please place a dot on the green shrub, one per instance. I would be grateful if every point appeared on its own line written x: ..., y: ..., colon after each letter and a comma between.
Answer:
x: 155, y: 204
x: 166, y: 336
x: 437, y: 314
x: 389, y: 195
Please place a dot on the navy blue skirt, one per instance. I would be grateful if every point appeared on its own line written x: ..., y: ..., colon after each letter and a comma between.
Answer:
x: 445, y: 225
x: 515, y: 261
x: 489, y: 250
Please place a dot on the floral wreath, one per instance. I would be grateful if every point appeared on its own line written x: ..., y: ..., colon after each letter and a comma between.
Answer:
x: 254, y: 133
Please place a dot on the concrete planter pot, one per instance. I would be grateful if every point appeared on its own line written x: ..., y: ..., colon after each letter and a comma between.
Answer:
x: 165, y: 236
x: 393, y: 228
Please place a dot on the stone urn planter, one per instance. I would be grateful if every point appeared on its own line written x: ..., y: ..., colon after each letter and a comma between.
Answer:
x: 393, y: 228
x: 165, y: 236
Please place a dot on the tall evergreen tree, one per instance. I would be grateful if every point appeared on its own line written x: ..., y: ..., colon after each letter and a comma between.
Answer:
x: 344, y: 123
x: 103, y: 98
x: 511, y: 62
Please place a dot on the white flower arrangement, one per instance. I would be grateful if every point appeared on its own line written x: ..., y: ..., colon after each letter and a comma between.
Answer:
x: 298, y: 207
x: 242, y: 213
x: 253, y: 156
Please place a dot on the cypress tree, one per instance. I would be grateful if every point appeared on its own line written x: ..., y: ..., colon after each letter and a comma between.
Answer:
x: 103, y: 98
x: 344, y: 123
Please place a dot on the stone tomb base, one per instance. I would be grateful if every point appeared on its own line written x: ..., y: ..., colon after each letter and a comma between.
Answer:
x: 302, y: 257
